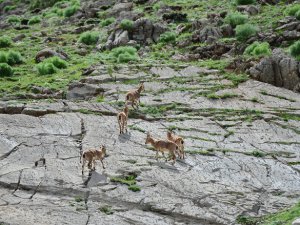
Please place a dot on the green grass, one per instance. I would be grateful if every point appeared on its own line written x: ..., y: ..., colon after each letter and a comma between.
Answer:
x: 263, y: 92
x: 127, y: 180
x: 201, y: 152
x: 295, y: 50
x: 34, y: 20
x: 236, y: 18
x: 107, y: 21
x: 5, y: 41
x: 257, y: 49
x: 244, y: 31
x: 222, y: 96
x: 236, y: 78
x: 78, y: 199
x: 258, y: 154
x: 284, y: 217
x: 106, y: 209
x: 89, y: 37
x: 126, y: 24
x: 124, y: 54
x: 6, y: 70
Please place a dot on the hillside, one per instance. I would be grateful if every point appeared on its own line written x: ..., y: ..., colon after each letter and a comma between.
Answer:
x: 224, y: 75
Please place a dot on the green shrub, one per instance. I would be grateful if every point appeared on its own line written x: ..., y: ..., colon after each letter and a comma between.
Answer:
x: 245, y: 31
x: 89, y: 37
x: 126, y: 24
x: 42, y: 3
x: 14, y: 58
x: 34, y: 20
x: 295, y: 50
x: 107, y: 21
x: 3, y: 57
x: 9, y: 8
x: 258, y: 49
x: 5, y: 42
x: 292, y: 10
x: 298, y: 14
x: 57, y: 62
x: 5, y: 70
x: 70, y: 11
x: 245, y: 2
x: 124, y: 54
x: 45, y: 68
x: 13, y: 19
x: 235, y: 19
x: 167, y: 37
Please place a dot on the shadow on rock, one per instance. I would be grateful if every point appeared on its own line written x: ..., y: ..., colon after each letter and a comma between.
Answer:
x: 124, y: 137
x: 95, y: 179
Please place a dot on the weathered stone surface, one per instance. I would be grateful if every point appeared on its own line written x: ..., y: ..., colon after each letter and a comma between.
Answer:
x: 296, y: 222
x: 78, y: 90
x: 40, y: 170
x: 279, y: 69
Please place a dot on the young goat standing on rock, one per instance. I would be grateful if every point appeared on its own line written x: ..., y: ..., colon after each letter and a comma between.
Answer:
x: 91, y: 156
x: 163, y: 146
x: 133, y: 96
x: 177, y: 140
x: 122, y: 119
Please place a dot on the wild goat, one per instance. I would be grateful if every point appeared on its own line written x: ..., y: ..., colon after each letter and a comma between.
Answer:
x: 122, y: 119
x: 163, y: 146
x: 177, y: 140
x: 133, y: 96
x: 91, y: 155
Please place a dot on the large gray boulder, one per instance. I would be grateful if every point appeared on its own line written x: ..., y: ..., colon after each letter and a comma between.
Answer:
x: 279, y: 69
x: 144, y: 32
x: 78, y: 90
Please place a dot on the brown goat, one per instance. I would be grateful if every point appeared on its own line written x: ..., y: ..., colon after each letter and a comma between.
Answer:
x: 91, y: 155
x: 163, y: 146
x: 133, y: 96
x: 122, y: 119
x: 177, y: 140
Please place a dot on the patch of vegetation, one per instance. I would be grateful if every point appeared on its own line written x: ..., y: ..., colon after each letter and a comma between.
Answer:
x: 258, y: 154
x: 236, y: 78
x: 46, y: 68
x: 100, y: 99
x: 128, y: 180
x: 42, y: 3
x: 288, y: 116
x: 124, y: 54
x: 244, y: 31
x: 167, y: 37
x: 297, y: 15
x: 89, y: 37
x: 245, y: 2
x: 71, y: 10
x: 133, y: 127
x: 263, y: 92
x: 126, y: 24
x: 257, y: 49
x: 292, y: 9
x: 284, y: 217
x: 158, y: 111
x: 13, y: 19
x: 9, y: 8
x: 208, y: 152
x: 295, y: 50
x: 78, y: 199
x: 5, y: 70
x: 235, y: 19
x: 34, y: 20
x: 134, y: 188
x: 5, y: 41
x: 222, y: 96
x: 14, y: 57
x: 245, y: 220
x: 57, y: 62
x: 107, y: 22
x: 106, y: 209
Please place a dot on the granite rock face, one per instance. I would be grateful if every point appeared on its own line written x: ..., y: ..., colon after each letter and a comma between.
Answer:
x: 241, y: 155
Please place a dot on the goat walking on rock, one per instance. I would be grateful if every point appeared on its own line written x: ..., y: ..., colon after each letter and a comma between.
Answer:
x: 91, y: 156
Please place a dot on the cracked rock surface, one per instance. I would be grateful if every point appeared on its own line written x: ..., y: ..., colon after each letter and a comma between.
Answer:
x: 242, y: 152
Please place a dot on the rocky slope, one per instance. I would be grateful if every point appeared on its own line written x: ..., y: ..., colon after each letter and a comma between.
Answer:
x: 241, y: 132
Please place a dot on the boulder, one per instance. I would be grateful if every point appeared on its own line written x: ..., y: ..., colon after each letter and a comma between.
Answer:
x: 78, y: 90
x: 47, y: 52
x: 296, y: 222
x: 175, y: 17
x: 206, y: 34
x: 250, y: 9
x: 144, y: 32
x: 279, y: 69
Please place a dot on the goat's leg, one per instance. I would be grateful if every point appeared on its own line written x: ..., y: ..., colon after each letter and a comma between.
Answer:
x: 102, y: 163
x: 94, y: 165
x: 126, y: 124
x: 164, y: 156
x: 156, y: 155
x: 83, y: 164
